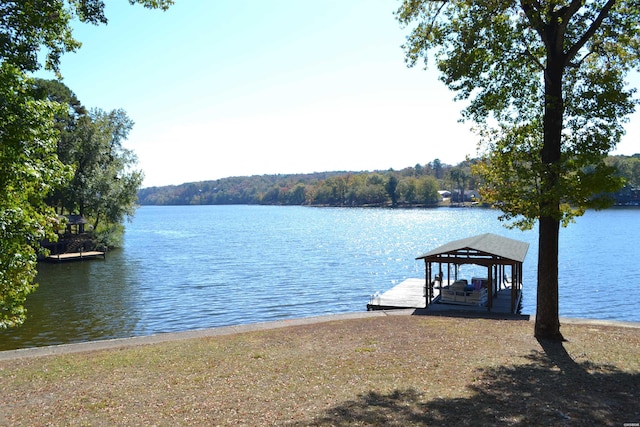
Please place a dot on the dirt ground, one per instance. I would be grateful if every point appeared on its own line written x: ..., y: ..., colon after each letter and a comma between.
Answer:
x: 378, y: 370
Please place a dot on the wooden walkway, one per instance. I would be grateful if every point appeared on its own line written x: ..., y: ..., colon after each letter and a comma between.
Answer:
x: 410, y: 294
x: 76, y: 256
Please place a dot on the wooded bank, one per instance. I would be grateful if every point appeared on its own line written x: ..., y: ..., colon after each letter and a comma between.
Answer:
x: 418, y: 186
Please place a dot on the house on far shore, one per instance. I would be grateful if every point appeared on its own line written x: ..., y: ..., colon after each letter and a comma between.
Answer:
x: 467, y: 196
x: 444, y: 194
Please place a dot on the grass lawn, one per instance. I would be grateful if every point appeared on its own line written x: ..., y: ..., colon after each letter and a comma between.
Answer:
x: 385, y: 370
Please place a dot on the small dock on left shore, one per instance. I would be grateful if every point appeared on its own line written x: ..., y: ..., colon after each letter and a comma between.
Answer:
x: 76, y: 256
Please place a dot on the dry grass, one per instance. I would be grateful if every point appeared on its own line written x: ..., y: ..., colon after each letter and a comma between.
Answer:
x: 396, y: 370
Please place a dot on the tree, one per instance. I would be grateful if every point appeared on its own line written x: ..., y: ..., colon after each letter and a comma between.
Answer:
x: 392, y: 185
x: 66, y: 123
x: 297, y: 195
x: 545, y: 82
x: 427, y: 190
x: 407, y: 189
x: 29, y: 167
x: 105, y: 182
x: 460, y: 177
x: 629, y: 168
x: 436, y: 165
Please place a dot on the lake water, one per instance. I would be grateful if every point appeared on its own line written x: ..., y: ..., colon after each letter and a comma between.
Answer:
x: 193, y: 267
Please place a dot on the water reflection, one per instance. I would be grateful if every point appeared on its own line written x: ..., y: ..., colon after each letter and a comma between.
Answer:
x: 78, y: 301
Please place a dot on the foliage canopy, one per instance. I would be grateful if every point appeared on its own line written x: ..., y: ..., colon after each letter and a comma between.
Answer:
x: 496, y: 54
x: 29, y: 169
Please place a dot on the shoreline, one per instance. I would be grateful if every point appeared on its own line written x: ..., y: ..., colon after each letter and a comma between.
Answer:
x: 119, y: 343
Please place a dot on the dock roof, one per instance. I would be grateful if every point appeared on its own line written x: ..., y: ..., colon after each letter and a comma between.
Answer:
x: 483, y: 245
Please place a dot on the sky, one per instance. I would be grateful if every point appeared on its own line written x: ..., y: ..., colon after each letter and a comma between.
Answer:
x: 221, y: 88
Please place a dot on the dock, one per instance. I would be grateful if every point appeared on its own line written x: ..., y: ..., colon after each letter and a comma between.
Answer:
x: 499, y: 292
x: 76, y: 256
x: 407, y: 294
x: 410, y: 294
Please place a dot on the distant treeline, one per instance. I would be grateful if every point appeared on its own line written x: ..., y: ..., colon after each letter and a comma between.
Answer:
x: 421, y: 185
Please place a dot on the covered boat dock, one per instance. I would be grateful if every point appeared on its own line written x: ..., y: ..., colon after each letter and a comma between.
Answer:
x: 498, y: 254
x: 442, y: 289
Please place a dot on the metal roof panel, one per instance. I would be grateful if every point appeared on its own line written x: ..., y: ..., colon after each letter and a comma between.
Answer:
x: 493, y: 244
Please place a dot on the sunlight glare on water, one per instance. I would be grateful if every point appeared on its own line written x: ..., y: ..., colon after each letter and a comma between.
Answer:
x: 193, y: 267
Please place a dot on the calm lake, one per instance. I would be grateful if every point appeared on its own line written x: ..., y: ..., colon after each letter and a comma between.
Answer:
x: 193, y: 267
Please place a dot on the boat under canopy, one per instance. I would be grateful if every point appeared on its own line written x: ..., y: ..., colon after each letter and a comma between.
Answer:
x: 503, y: 258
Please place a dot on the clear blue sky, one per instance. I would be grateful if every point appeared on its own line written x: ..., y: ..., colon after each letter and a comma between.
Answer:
x: 222, y: 88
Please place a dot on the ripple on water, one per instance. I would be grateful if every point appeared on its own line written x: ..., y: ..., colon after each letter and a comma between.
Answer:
x: 193, y: 267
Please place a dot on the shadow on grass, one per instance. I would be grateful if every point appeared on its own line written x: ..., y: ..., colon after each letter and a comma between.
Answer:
x: 553, y: 389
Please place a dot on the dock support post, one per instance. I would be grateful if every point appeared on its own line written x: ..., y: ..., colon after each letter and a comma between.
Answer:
x: 490, y: 288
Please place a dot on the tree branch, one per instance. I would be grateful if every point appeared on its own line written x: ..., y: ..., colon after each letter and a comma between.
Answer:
x: 528, y: 54
x: 573, y: 51
x: 531, y: 9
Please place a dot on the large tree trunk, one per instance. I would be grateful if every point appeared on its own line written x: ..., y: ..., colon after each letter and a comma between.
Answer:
x: 547, y: 307
x: 547, y: 312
